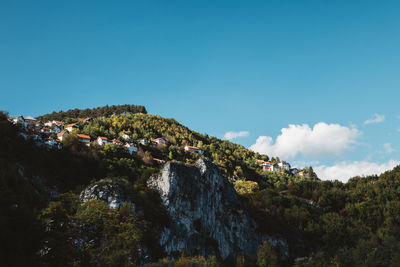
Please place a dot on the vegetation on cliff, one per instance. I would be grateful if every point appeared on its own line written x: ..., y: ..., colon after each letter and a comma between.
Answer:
x: 327, y: 223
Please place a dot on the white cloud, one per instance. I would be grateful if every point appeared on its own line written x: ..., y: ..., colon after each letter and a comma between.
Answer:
x: 388, y: 148
x: 323, y: 140
x: 232, y: 135
x: 375, y: 119
x: 343, y: 171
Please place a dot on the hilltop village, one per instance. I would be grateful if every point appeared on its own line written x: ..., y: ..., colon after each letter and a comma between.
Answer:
x: 52, y: 133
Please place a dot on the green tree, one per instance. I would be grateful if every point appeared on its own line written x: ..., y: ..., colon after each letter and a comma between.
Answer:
x: 266, y: 255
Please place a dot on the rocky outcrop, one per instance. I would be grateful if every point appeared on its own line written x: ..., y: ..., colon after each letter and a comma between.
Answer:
x: 106, y: 190
x: 206, y: 215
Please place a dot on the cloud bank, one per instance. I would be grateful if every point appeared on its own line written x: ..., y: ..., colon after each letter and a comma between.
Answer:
x: 232, y: 135
x: 323, y: 140
x: 375, y: 119
x: 342, y: 171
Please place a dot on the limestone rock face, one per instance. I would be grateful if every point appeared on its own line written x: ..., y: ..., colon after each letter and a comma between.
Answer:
x: 105, y: 190
x: 206, y: 215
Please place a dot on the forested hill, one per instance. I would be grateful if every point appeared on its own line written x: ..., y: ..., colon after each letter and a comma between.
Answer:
x: 45, y: 221
x: 93, y: 112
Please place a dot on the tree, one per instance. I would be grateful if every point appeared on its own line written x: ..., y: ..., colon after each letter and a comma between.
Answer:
x: 266, y: 255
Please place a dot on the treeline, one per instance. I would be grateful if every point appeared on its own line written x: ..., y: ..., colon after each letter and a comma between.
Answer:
x: 105, y: 111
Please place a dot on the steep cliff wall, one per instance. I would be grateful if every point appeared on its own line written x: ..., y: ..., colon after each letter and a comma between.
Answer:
x: 207, y: 217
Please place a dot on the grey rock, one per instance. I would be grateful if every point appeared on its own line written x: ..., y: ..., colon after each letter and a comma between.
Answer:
x: 206, y: 215
x: 105, y: 190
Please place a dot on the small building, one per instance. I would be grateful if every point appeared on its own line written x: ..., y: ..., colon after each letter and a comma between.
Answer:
x: 284, y: 165
x: 131, y: 148
x: 194, y: 149
x: 144, y: 141
x: 58, y: 123
x: 270, y: 167
x: 85, y: 139
x: 117, y: 142
x: 101, y: 140
x: 159, y: 161
x: 45, y: 130
x: 61, y: 135
x: 294, y: 171
x: 85, y: 120
x: 18, y: 120
x: 55, y: 129
x: 304, y: 174
x: 125, y: 137
x: 160, y: 141
x: 32, y: 123
x: 71, y: 127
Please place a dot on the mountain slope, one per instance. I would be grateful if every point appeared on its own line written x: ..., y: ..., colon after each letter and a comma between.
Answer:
x: 324, y: 222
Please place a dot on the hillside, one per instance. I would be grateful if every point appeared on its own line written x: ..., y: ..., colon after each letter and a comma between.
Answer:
x: 48, y: 223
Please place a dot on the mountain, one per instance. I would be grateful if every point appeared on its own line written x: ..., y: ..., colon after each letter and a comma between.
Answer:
x: 180, y: 197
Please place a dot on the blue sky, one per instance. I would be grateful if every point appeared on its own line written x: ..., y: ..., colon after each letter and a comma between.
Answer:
x: 219, y: 66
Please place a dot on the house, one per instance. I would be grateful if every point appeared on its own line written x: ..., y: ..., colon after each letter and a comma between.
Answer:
x: 48, y: 124
x: 58, y: 123
x: 71, y: 127
x: 160, y: 141
x: 126, y: 137
x: 117, y: 142
x: 271, y: 167
x: 32, y: 122
x: 101, y: 140
x: 18, y: 120
x: 159, y: 161
x: 265, y: 163
x: 153, y: 144
x: 304, y: 174
x: 284, y: 165
x: 144, y: 141
x: 131, y: 148
x: 61, y: 135
x: 85, y: 139
x: 55, y: 129
x: 294, y: 171
x: 84, y: 120
x: 45, y: 130
x: 194, y: 149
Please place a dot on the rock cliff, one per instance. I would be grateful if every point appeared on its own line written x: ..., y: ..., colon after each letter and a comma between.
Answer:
x: 106, y: 190
x: 206, y: 215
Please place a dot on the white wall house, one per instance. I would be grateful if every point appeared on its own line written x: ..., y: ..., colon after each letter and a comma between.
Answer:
x: 125, y: 137
x: 71, y: 127
x: 85, y: 139
x: 194, y: 149
x: 19, y: 120
x: 144, y: 141
x: 61, y: 135
x: 103, y: 141
x: 284, y: 165
x: 160, y: 141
